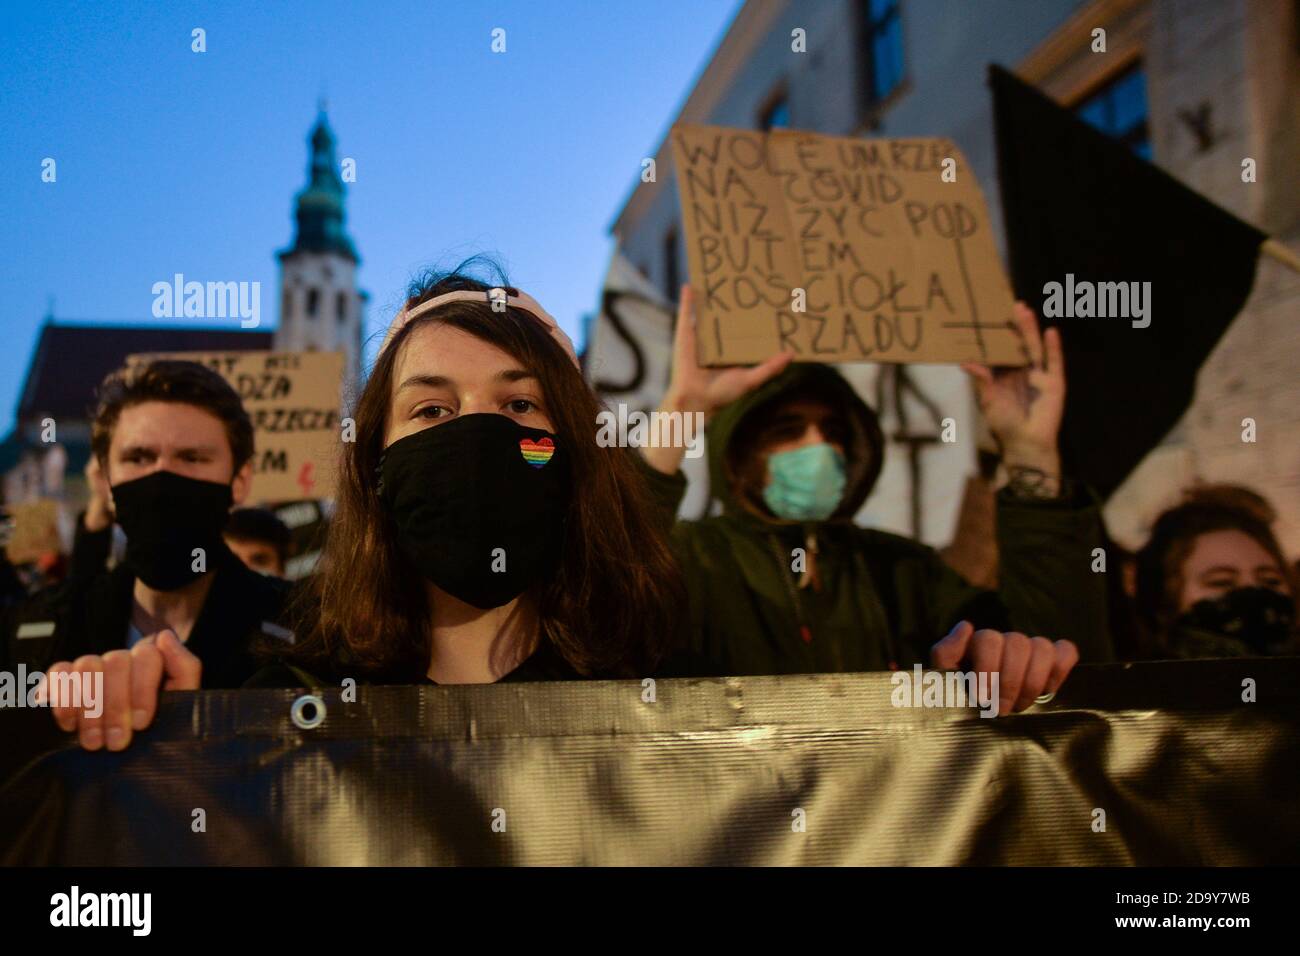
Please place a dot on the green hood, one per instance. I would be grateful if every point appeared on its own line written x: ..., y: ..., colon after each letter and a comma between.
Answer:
x: 864, y: 451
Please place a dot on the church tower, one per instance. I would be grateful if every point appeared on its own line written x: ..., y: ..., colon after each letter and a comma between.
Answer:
x: 321, y: 307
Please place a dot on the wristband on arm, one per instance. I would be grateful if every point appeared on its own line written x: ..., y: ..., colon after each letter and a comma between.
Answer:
x: 1033, y: 484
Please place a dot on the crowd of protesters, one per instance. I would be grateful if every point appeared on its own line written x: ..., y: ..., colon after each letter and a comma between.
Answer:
x: 481, y: 534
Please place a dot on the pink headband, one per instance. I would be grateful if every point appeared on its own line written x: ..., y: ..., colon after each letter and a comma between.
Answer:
x: 521, y: 301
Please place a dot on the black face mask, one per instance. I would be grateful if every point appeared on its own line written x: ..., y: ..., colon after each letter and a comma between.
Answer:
x: 1260, y: 618
x: 165, y: 517
x: 479, y: 505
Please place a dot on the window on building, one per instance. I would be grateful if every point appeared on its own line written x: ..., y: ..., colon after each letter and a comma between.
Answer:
x: 313, y: 303
x: 884, y: 49
x: 672, y: 275
x: 343, y: 306
x: 1119, y: 108
x: 776, y: 115
x: 286, y: 306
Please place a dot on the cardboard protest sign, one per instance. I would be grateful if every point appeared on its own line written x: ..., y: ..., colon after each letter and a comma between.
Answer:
x: 306, y: 521
x: 294, y: 400
x: 35, y: 530
x: 840, y: 249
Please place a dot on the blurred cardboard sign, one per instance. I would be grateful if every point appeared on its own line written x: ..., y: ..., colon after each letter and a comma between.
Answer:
x: 294, y: 400
x: 895, y: 264
x: 35, y: 530
x: 306, y: 521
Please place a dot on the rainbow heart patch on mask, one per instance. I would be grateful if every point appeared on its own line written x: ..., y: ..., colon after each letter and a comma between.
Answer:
x: 537, y: 453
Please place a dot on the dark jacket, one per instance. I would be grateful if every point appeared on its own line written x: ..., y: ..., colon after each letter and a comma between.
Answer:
x: 90, y: 550
x: 1184, y: 642
x: 884, y: 600
x: 91, y: 616
x: 544, y: 664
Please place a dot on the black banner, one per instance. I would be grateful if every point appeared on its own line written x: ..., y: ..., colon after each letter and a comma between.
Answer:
x: 1169, y: 763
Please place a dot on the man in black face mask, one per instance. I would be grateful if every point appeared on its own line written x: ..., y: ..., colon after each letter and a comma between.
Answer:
x: 175, y: 446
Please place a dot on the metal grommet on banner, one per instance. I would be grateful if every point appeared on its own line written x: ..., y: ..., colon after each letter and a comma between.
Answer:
x: 307, y: 712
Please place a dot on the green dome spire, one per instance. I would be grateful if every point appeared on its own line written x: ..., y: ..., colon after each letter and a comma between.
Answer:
x: 319, y: 207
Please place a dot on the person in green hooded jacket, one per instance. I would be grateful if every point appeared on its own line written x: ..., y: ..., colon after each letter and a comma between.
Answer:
x: 783, y: 581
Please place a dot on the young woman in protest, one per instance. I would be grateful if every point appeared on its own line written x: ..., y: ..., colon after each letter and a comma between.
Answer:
x: 1212, y: 582
x: 480, y: 533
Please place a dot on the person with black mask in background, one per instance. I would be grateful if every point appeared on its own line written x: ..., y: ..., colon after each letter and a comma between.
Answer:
x: 175, y: 445
x: 1212, y: 582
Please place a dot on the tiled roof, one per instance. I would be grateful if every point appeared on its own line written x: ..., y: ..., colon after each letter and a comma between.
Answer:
x: 71, y: 360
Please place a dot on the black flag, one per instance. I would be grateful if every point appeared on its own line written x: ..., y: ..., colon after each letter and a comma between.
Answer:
x: 1077, y: 203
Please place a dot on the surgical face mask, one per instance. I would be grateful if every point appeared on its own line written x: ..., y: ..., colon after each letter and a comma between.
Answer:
x: 479, y: 505
x: 168, y: 518
x: 805, y: 484
x: 1261, y: 618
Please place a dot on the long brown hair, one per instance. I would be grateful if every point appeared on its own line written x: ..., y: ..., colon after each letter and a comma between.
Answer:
x: 611, y: 606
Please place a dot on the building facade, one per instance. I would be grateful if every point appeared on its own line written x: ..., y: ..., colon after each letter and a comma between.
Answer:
x: 1195, y: 86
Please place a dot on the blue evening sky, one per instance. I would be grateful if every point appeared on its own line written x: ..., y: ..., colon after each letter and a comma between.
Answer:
x: 174, y: 161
